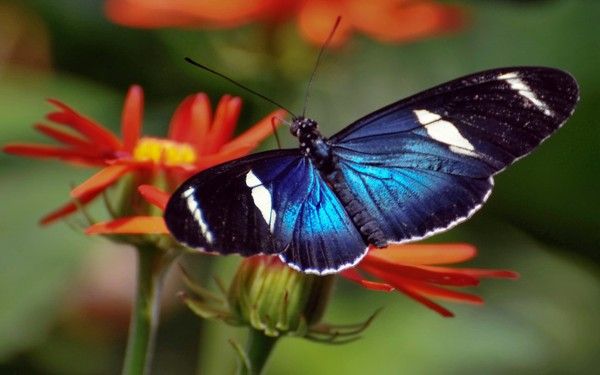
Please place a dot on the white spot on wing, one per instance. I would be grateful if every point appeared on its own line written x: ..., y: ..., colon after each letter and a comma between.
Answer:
x: 262, y: 199
x: 188, y: 192
x: 197, y: 213
x: 445, y: 132
x: 506, y: 76
x: 525, y: 91
x: 425, y: 117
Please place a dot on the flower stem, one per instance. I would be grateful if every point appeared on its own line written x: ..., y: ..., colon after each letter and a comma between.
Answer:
x: 152, y: 264
x: 258, y: 348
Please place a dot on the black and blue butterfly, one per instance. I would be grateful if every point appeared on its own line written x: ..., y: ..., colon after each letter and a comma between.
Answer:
x: 404, y: 172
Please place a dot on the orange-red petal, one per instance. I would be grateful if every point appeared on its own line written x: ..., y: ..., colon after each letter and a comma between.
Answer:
x: 154, y: 196
x: 191, y: 121
x: 231, y: 13
x: 223, y: 156
x: 391, y: 271
x: 479, y: 273
x: 138, y: 14
x: 385, y: 20
x: 438, y: 292
x: 424, y: 254
x: 93, y: 131
x: 131, y: 118
x: 43, y: 151
x: 216, y: 125
x: 425, y: 301
x: 237, y: 12
x: 317, y: 17
x: 130, y: 225
x: 66, y: 138
x: 353, y: 275
x: 68, y: 208
x: 256, y: 134
x: 389, y: 20
x: 101, y: 180
x: 226, y: 117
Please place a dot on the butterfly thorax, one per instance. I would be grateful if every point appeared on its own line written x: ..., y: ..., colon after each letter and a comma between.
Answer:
x: 313, y: 144
x: 316, y: 147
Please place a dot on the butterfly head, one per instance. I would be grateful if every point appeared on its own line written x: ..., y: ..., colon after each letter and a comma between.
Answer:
x: 302, y: 125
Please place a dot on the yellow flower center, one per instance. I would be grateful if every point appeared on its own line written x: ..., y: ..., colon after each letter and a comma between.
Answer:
x: 162, y: 151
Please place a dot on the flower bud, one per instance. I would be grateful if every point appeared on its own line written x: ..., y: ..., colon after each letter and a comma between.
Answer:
x: 271, y: 297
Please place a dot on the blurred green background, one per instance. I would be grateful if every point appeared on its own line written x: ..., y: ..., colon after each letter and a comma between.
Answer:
x: 542, y: 220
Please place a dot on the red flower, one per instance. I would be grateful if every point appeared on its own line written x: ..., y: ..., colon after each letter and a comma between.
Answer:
x: 413, y: 270
x: 197, y: 139
x: 384, y: 20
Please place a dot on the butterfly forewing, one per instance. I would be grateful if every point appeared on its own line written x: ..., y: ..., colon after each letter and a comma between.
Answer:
x: 247, y: 206
x: 497, y: 115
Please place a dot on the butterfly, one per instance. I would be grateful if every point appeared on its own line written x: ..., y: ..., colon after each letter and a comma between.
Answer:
x: 407, y: 171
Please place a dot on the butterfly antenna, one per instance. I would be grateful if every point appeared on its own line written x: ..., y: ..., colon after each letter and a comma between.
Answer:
x: 314, y: 72
x: 274, y: 126
x: 201, y: 66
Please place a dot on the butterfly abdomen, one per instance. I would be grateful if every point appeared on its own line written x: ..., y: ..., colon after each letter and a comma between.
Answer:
x: 364, y: 222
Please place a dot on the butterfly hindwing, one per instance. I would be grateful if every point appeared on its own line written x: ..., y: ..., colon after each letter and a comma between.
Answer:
x: 408, y: 203
x: 325, y: 240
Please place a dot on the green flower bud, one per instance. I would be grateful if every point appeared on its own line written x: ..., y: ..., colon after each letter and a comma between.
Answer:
x: 271, y: 297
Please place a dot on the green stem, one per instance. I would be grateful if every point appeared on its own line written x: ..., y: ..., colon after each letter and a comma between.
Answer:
x: 152, y: 265
x: 258, y: 349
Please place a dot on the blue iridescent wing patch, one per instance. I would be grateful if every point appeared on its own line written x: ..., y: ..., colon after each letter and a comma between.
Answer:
x: 408, y: 203
x: 325, y: 240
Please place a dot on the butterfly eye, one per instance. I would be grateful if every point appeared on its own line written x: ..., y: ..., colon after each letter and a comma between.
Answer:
x: 310, y: 124
x: 296, y: 125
